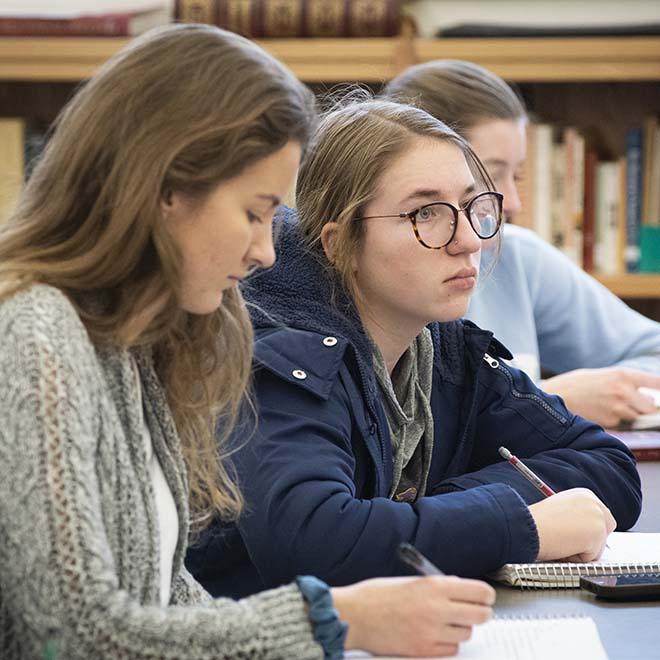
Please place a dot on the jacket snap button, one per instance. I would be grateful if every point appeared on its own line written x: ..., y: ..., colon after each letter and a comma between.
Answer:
x: 299, y: 374
x: 330, y: 341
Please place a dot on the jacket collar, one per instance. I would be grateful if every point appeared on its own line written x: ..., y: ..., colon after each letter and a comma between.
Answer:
x: 296, y: 290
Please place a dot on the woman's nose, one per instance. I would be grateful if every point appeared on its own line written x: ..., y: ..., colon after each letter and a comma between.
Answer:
x: 465, y: 239
x: 262, y: 250
x: 511, y: 204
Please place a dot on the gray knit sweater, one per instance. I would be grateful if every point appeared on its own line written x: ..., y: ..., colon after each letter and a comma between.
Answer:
x: 78, y: 528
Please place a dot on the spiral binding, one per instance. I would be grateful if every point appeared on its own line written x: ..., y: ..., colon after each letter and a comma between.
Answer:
x: 567, y: 575
x: 539, y: 617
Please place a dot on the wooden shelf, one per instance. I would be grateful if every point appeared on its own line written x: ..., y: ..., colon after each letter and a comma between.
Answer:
x: 632, y: 285
x: 331, y: 60
x: 340, y: 60
x: 554, y: 60
x: 54, y: 59
x: 372, y: 60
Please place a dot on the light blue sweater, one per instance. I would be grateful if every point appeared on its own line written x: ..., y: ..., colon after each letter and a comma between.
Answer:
x: 548, y: 311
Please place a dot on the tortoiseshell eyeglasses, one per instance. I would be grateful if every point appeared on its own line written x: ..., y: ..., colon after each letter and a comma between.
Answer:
x: 435, y: 224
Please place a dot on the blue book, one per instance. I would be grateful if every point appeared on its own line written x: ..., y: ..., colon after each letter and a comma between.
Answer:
x: 634, y: 173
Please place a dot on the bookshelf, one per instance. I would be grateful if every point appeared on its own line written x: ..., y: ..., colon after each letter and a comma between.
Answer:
x: 587, y: 75
x: 621, y: 59
x: 632, y: 285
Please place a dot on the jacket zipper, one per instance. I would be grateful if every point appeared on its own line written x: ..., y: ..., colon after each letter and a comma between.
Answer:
x: 494, y: 364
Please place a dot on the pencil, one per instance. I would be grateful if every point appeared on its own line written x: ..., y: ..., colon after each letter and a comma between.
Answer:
x: 526, y: 472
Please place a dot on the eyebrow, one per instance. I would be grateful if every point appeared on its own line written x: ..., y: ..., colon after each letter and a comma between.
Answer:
x: 433, y: 195
x: 495, y: 161
x: 273, y: 199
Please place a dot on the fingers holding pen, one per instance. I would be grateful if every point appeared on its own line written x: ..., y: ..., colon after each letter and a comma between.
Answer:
x: 469, y: 591
x: 419, y: 616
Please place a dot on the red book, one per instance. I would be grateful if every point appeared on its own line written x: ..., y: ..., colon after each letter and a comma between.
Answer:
x: 589, y: 218
x: 645, y: 445
x: 72, y: 24
x: 296, y: 18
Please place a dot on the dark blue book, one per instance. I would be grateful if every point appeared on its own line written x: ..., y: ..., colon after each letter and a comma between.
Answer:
x: 634, y: 170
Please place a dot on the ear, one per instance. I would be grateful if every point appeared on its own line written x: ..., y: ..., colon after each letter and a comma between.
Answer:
x: 167, y: 203
x: 329, y: 238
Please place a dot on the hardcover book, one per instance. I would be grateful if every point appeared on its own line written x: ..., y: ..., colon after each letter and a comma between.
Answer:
x: 296, y: 18
x: 105, y: 20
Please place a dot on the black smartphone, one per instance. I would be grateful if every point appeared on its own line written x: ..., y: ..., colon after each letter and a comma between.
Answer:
x: 645, y: 586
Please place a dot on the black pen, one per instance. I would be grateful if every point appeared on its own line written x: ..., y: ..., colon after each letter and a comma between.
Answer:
x: 413, y: 557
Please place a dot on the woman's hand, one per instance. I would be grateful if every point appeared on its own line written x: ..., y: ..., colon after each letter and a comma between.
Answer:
x: 573, y: 524
x: 413, y: 616
x: 605, y: 396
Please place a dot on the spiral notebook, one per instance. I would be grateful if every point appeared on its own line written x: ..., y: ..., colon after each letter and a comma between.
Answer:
x: 628, y: 552
x: 569, y: 638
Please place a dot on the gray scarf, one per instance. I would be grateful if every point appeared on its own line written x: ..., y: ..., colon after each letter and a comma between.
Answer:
x: 407, y: 402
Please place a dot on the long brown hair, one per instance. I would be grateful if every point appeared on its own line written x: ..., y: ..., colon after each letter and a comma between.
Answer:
x: 462, y: 94
x: 352, y: 147
x: 180, y: 109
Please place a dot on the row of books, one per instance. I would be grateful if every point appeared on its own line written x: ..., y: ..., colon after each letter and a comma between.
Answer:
x: 603, y: 214
x: 252, y: 18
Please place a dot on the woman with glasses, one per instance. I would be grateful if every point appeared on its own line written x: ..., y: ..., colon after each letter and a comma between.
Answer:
x: 546, y: 310
x: 380, y: 413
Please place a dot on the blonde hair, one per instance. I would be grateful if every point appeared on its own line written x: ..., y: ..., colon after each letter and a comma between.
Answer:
x: 460, y: 93
x: 352, y: 147
x: 180, y: 109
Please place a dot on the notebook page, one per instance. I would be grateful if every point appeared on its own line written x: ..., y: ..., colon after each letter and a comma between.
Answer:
x: 540, y: 639
x: 526, y: 639
x: 632, y: 548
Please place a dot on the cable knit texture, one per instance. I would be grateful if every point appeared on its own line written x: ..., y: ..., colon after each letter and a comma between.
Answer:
x: 78, y: 528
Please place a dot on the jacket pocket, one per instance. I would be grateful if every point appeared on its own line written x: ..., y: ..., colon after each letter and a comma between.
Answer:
x: 544, y: 412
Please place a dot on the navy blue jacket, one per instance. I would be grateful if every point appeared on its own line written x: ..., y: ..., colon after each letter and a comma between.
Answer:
x: 317, y: 472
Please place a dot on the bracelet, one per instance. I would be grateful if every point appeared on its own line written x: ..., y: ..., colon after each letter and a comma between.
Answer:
x: 329, y: 630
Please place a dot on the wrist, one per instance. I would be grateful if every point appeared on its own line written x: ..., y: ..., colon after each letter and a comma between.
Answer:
x: 537, y: 516
x: 345, y: 604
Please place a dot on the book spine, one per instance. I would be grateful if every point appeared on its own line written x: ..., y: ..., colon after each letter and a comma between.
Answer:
x: 296, y: 18
x: 648, y: 132
x: 543, y: 181
x: 557, y: 199
x: 197, y: 11
x: 647, y: 453
x: 634, y: 139
x: 574, y: 194
x: 621, y: 222
x: 589, y: 218
x: 607, y: 217
x: 568, y: 174
x: 653, y: 189
x: 102, y: 25
x: 525, y: 217
x: 12, y: 163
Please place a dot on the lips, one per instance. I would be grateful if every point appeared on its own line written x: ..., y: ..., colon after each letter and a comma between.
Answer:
x: 462, y: 274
